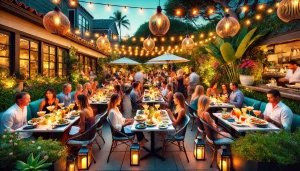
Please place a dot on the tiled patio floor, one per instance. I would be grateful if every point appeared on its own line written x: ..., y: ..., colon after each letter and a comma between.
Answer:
x: 175, y: 159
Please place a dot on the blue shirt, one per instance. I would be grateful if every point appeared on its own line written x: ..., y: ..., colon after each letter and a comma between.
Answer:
x: 194, y: 103
x: 236, y: 98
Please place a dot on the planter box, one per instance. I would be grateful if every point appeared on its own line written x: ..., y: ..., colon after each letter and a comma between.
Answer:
x: 241, y: 164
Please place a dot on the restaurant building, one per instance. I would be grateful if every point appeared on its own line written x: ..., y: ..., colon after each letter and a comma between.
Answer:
x: 26, y: 46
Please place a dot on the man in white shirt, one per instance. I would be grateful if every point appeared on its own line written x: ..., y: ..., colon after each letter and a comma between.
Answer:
x: 277, y: 112
x: 194, y: 80
x: 16, y: 116
x: 164, y: 90
x: 292, y: 74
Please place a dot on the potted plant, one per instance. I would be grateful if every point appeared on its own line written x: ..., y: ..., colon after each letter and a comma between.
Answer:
x: 272, y: 151
x: 20, y: 77
x: 247, y: 69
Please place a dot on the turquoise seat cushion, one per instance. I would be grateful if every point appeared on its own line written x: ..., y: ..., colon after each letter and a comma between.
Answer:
x: 72, y: 95
x: 29, y: 113
x: 1, y: 115
x: 60, y: 97
x: 34, y: 106
x: 295, y: 122
x: 262, y: 107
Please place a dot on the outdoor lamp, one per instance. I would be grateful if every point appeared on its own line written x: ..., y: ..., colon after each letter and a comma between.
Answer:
x: 102, y: 42
x: 70, y: 163
x: 224, y: 159
x: 199, y: 149
x: 227, y: 27
x: 84, y: 158
x: 187, y: 43
x: 289, y: 10
x: 56, y: 22
x: 159, y: 23
x: 149, y: 44
x: 134, y: 155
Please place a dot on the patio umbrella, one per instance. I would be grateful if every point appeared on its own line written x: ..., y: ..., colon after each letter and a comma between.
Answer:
x: 124, y: 61
x: 155, y: 63
x: 169, y: 58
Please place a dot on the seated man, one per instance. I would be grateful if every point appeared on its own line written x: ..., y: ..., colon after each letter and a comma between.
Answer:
x: 163, y: 89
x: 134, y: 95
x: 277, y: 112
x: 236, y: 97
x: 16, y: 116
x: 66, y: 98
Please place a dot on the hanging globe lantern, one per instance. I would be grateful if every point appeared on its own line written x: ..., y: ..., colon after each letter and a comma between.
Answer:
x: 289, y: 10
x: 227, y: 27
x: 187, y: 43
x: 149, y: 44
x: 159, y: 23
x: 102, y: 42
x: 56, y: 22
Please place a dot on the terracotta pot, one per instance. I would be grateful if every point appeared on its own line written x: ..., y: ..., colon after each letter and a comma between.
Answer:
x: 247, y: 80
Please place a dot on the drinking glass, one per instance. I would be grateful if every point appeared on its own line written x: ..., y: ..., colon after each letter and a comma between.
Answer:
x: 51, y: 108
x: 256, y: 112
x: 244, y: 110
x: 157, y: 106
x: 238, y: 113
x: 60, y: 105
x: 250, y: 108
x: 224, y: 110
x: 71, y: 105
x: 145, y: 106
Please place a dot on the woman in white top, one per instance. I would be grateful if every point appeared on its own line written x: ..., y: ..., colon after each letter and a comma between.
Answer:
x: 119, y: 122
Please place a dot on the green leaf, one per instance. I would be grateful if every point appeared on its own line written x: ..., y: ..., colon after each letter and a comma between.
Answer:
x: 214, y: 51
x: 41, y: 162
x: 35, y: 161
x: 242, y: 47
x: 21, y: 165
x: 43, y: 165
x: 228, y: 52
x: 261, y: 34
x: 220, y: 42
x: 30, y: 159
x: 241, y: 36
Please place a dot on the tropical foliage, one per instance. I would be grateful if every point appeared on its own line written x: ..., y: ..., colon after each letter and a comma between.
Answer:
x: 121, y: 20
x: 33, y: 163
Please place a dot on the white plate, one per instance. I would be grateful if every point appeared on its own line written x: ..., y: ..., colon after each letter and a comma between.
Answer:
x: 167, y: 121
x: 292, y: 86
x: 142, y: 119
x: 163, y: 126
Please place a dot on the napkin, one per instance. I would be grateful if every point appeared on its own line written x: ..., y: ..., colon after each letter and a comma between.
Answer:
x: 127, y: 129
x: 74, y: 130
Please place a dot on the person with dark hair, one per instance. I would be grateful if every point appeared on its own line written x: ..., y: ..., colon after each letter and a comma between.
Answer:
x: 225, y: 91
x: 119, y: 122
x: 50, y: 100
x: 16, y: 116
x: 179, y: 113
x: 194, y: 80
x: 213, y: 89
x: 292, y: 74
x: 163, y: 89
x: 236, y: 97
x: 135, y: 96
x: 277, y: 112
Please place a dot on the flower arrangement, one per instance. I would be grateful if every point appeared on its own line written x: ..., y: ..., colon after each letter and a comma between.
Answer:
x: 14, y: 148
x: 247, y: 67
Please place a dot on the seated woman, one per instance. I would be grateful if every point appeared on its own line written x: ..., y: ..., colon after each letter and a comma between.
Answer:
x: 88, y: 90
x: 199, y: 91
x: 225, y: 91
x: 78, y: 91
x: 119, y: 122
x: 179, y: 113
x: 50, y: 100
x: 213, y: 89
x: 169, y: 98
x: 203, y: 105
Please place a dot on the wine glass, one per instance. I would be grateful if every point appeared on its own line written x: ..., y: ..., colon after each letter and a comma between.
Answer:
x: 145, y: 106
x: 41, y: 113
x: 60, y: 105
x: 71, y: 105
x: 157, y: 106
x: 224, y: 110
x: 244, y: 110
x: 256, y: 112
x: 250, y: 108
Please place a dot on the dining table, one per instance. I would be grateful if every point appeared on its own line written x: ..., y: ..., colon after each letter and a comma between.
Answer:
x: 153, y: 129
x: 237, y: 126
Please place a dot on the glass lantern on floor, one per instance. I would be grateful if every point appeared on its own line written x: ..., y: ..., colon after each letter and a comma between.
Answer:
x: 199, y: 149
x: 70, y: 163
x: 224, y: 159
x: 84, y: 158
x: 135, y: 155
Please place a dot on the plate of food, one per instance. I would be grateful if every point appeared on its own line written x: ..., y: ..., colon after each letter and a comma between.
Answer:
x: 150, y: 123
x: 240, y: 124
x: 140, y: 126
x: 141, y: 112
x: 163, y: 114
x: 258, y: 122
x: 139, y: 118
x: 166, y: 122
x: 75, y: 113
x: 293, y: 86
x: 226, y: 116
x: 34, y: 121
x: 163, y: 126
x: 62, y: 122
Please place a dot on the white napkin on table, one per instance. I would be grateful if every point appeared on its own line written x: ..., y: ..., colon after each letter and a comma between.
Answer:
x: 127, y: 129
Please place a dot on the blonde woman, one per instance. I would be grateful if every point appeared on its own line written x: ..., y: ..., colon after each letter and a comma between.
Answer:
x: 180, y: 81
x: 203, y: 105
x: 199, y: 91
x: 88, y: 90
x: 78, y: 91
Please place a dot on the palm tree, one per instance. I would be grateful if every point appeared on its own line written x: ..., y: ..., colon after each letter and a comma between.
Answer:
x: 120, y: 20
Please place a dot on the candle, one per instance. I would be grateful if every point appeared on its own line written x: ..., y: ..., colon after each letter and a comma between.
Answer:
x: 83, y: 163
x: 199, y: 153
x: 135, y: 159
x: 71, y: 167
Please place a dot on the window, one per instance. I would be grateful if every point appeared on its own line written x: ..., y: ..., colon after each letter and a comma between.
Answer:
x: 62, y: 70
x: 72, y: 18
x: 4, y: 55
x: 87, y: 64
x: 29, y: 57
x: 83, y: 25
x: 49, y: 61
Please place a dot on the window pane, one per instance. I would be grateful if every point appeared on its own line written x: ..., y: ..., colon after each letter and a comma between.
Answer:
x: 24, y: 44
x: 33, y: 69
x: 4, y: 39
x: 46, y: 57
x: 60, y: 59
x: 4, y: 50
x: 52, y: 58
x: 34, y: 55
x: 34, y: 46
x: 52, y: 73
x: 24, y: 54
x: 46, y: 49
x: 59, y: 51
x: 4, y: 66
x: 52, y: 50
x: 45, y: 65
x: 60, y: 66
x: 24, y: 66
x: 52, y: 65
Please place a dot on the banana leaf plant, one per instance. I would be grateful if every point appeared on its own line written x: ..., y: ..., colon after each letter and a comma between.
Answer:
x: 229, y: 51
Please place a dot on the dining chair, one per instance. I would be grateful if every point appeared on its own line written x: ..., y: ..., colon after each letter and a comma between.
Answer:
x: 118, y: 140
x: 100, y: 126
x: 76, y: 142
x: 190, y: 112
x: 200, y: 127
x: 177, y: 138
x: 213, y: 142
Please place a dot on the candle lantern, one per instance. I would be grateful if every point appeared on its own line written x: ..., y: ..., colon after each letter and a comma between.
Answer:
x: 199, y: 149
x: 84, y: 158
x: 224, y: 159
x: 134, y: 155
x: 70, y: 163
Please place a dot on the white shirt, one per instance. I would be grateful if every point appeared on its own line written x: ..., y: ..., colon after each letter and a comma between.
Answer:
x: 280, y: 113
x: 116, y: 119
x: 139, y: 76
x: 14, y: 118
x: 194, y: 79
x: 293, y: 77
x: 164, y: 92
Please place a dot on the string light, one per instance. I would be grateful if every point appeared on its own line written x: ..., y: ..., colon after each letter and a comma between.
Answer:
x: 244, y: 9
x: 248, y: 22
x: 261, y: 6
x: 178, y: 12
x: 270, y: 11
x: 226, y: 10
x: 210, y: 11
x: 258, y: 17
x: 195, y: 11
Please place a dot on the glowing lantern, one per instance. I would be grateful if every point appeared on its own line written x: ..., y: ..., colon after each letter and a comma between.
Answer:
x: 227, y: 27
x: 187, y: 43
x: 224, y: 159
x: 56, y: 22
x: 102, y: 42
x: 84, y: 158
x: 149, y: 44
x: 159, y: 23
x: 289, y: 10
x: 199, y: 149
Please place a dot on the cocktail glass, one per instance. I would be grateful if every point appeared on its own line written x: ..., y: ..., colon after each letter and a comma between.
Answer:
x: 51, y: 108
x: 157, y: 106
x: 41, y: 113
x: 224, y: 110
x: 60, y: 105
x: 71, y: 105
x: 145, y: 106
x: 256, y: 112
x: 244, y: 110
x: 238, y: 113
x: 250, y: 108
